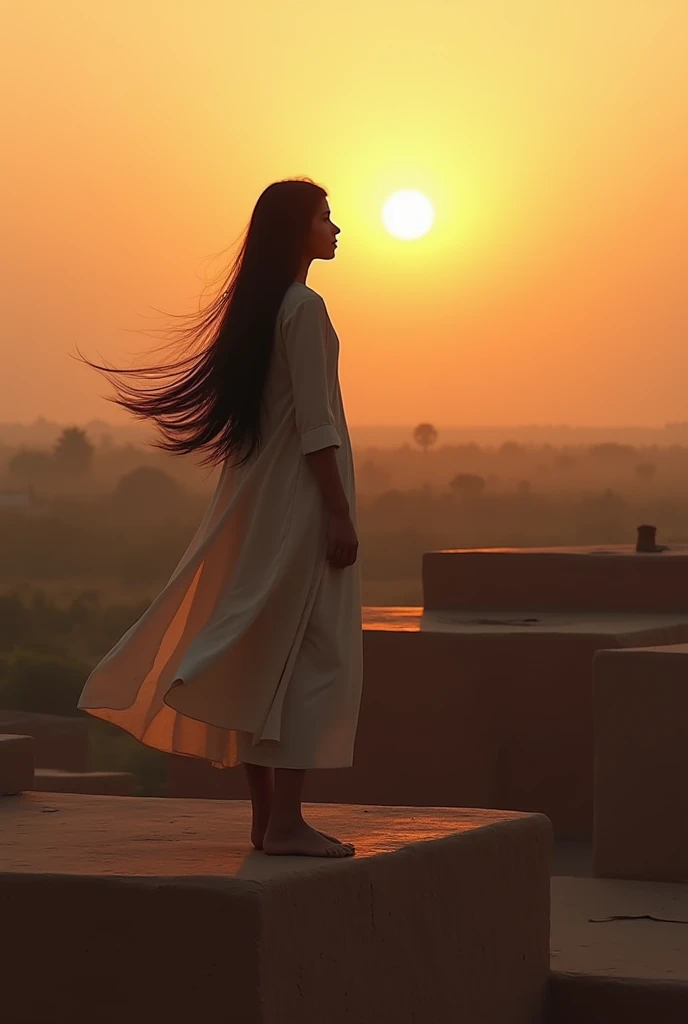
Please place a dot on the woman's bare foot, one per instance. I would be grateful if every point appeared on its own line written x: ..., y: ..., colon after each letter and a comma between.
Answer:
x: 258, y: 836
x: 259, y: 829
x: 300, y: 840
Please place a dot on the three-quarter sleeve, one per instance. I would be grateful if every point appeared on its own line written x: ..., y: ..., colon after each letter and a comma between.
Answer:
x: 305, y: 331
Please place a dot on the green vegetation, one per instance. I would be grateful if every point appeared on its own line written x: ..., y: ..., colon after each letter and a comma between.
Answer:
x: 34, y: 681
x: 47, y: 650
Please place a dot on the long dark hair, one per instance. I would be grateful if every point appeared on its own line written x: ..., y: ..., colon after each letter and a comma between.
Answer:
x: 210, y: 399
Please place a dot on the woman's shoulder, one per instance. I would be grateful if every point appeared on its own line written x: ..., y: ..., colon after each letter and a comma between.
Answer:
x: 298, y: 295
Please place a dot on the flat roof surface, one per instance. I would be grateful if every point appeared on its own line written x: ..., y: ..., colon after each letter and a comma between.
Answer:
x: 649, y: 950
x: 416, y: 619
x: 672, y: 550
x: 75, y: 834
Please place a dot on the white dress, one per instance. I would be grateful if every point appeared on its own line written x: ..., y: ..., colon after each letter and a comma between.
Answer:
x: 253, y: 650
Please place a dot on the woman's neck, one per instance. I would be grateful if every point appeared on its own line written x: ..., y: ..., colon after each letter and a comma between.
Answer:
x: 303, y: 271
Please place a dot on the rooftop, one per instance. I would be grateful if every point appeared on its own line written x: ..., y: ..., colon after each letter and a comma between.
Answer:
x: 598, y: 925
x: 416, y: 619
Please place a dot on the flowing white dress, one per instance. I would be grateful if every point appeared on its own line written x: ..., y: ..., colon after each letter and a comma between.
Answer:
x: 253, y: 649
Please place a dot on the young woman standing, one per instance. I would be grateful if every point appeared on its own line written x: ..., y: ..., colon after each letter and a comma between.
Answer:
x: 252, y: 652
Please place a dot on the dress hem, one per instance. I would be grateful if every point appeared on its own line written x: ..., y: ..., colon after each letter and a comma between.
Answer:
x: 93, y: 711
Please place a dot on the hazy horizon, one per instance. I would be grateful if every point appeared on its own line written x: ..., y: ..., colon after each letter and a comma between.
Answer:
x: 42, y: 433
x: 400, y: 425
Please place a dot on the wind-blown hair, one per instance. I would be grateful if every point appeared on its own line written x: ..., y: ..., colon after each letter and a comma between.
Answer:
x: 210, y: 398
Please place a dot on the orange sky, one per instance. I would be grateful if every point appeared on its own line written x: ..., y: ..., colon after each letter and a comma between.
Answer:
x: 551, y: 137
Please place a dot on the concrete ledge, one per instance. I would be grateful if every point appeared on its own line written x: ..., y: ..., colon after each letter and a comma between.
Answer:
x: 16, y: 764
x: 611, y: 578
x: 52, y: 780
x: 158, y: 910
x: 609, y: 962
x: 641, y: 763
x: 592, y: 1000
x: 59, y: 742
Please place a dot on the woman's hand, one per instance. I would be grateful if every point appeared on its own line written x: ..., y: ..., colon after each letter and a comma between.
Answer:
x: 342, y: 542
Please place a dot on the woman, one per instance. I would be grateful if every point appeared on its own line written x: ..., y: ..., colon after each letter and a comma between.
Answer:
x: 252, y: 653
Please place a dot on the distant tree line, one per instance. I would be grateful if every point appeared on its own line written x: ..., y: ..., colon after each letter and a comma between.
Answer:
x: 70, y: 458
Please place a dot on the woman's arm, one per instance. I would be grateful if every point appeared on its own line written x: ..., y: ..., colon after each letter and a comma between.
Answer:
x: 342, y: 539
x: 323, y: 464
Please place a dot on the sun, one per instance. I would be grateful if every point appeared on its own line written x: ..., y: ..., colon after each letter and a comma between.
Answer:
x: 408, y: 214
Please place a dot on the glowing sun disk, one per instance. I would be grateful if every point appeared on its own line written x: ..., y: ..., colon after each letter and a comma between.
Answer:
x: 408, y: 214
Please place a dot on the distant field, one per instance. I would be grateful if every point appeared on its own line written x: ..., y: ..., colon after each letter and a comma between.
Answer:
x: 112, y: 592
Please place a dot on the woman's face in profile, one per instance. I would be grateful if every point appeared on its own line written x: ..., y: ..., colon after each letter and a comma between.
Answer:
x: 321, y: 243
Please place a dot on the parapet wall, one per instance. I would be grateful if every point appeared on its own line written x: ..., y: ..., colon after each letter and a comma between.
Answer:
x: 614, y: 578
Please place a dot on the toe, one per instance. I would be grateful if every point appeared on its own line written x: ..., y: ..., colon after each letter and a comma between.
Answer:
x: 331, y: 839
